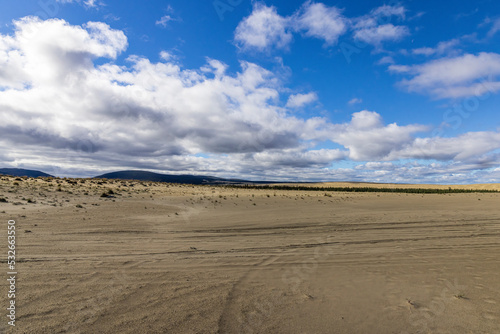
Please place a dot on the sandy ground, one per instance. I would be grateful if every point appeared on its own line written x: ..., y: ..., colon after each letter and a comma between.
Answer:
x: 158, y: 258
x: 489, y: 186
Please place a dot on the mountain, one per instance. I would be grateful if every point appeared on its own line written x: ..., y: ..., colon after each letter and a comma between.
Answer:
x: 155, y: 177
x: 22, y: 172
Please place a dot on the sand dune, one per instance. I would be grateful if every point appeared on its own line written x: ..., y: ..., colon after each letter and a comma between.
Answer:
x: 158, y: 258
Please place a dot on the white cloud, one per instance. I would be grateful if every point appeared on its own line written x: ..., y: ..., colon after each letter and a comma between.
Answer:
x: 377, y: 34
x: 440, y: 49
x: 263, y: 29
x: 495, y: 27
x: 320, y: 21
x: 355, y: 101
x: 368, y: 139
x: 375, y: 27
x: 386, y: 60
x: 51, y: 51
x: 163, y: 21
x: 167, y: 56
x: 400, y: 68
x: 463, y: 76
x: 386, y: 11
x: 462, y: 148
x: 299, y: 100
x: 87, y: 3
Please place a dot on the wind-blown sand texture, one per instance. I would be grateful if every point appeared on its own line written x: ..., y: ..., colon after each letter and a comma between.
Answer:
x: 159, y: 258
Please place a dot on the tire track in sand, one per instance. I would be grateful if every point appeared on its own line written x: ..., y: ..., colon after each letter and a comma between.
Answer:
x: 231, y: 320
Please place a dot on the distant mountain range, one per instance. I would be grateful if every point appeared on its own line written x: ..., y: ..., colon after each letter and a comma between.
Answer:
x: 138, y: 175
x: 22, y: 172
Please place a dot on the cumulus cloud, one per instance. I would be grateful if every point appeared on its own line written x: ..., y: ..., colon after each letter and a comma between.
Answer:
x: 367, y: 138
x: 54, y: 96
x: 263, y: 29
x: 320, y: 21
x: 300, y: 100
x: 463, y: 76
x: 52, y: 51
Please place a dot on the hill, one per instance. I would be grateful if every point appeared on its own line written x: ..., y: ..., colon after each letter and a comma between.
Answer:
x: 156, y: 177
x: 22, y: 172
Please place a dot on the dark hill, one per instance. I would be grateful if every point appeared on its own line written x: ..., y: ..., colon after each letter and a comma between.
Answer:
x: 155, y: 177
x: 22, y: 172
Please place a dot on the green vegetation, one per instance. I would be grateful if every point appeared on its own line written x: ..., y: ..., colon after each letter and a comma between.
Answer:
x: 365, y: 189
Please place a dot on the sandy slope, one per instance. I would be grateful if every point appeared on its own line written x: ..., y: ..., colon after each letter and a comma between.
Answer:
x: 185, y: 259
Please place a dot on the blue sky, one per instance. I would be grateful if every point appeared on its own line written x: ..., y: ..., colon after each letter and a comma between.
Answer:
x: 398, y: 91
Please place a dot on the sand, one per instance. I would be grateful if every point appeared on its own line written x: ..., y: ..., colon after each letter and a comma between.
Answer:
x: 158, y: 258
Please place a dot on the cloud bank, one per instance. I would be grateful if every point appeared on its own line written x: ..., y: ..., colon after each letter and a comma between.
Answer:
x: 63, y: 113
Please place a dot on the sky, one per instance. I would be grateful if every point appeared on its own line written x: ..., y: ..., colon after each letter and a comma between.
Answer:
x: 395, y: 91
